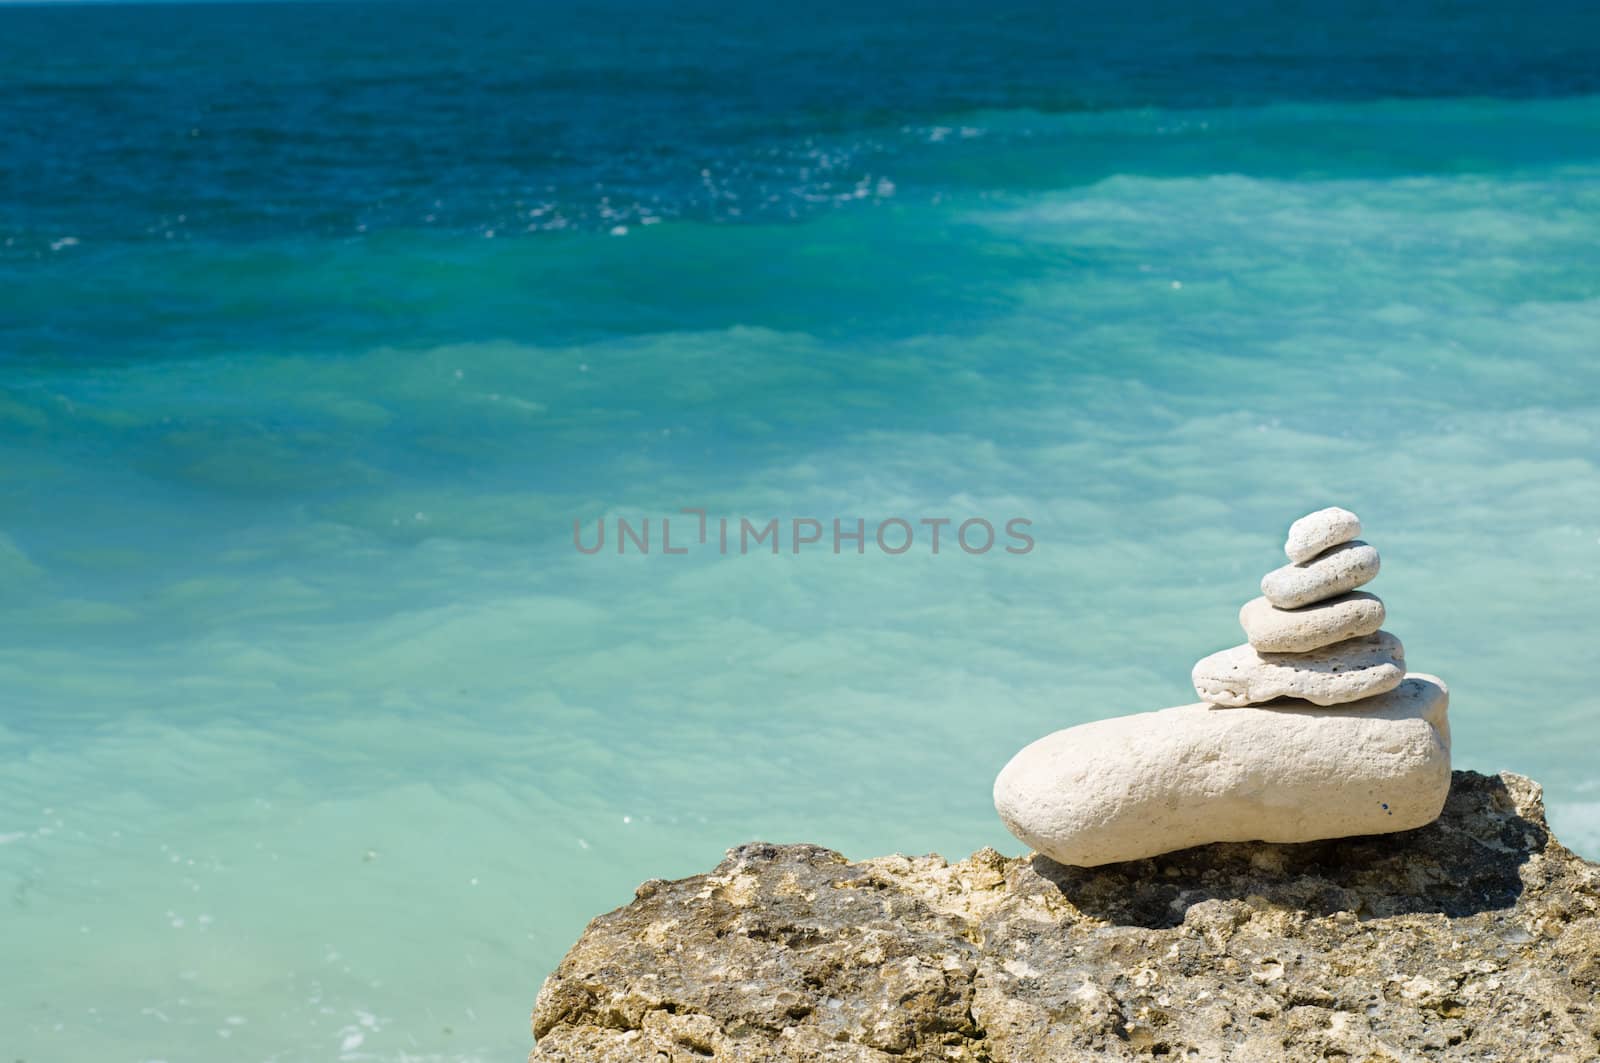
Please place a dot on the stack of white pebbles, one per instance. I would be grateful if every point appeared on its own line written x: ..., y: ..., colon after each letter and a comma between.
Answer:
x: 1311, y: 729
x: 1312, y: 635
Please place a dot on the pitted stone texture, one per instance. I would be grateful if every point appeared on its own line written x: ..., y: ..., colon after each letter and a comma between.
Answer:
x: 1316, y: 532
x: 1472, y: 939
x: 1344, y: 568
x: 1333, y: 675
x: 1274, y: 630
x: 1135, y: 786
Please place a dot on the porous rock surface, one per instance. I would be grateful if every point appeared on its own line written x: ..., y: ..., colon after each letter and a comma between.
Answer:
x: 1344, y: 568
x: 1310, y: 627
x: 1135, y: 786
x: 1319, y: 531
x: 1332, y: 675
x: 1476, y: 937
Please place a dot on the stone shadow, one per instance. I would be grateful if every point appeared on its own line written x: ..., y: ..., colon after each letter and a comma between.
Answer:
x: 1467, y: 861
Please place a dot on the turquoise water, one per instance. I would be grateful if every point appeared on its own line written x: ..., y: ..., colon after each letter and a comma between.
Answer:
x: 320, y: 325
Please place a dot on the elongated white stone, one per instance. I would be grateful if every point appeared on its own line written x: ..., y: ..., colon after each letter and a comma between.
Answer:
x: 1274, y: 630
x: 1316, y: 532
x: 1136, y: 786
x: 1344, y: 568
x: 1346, y: 671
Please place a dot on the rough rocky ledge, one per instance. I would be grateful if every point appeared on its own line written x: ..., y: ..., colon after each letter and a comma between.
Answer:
x: 1476, y: 937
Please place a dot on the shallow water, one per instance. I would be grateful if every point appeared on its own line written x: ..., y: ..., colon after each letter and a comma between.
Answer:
x: 322, y: 324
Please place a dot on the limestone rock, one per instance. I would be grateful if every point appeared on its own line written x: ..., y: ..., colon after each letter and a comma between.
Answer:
x: 1345, y: 671
x: 1474, y: 938
x: 1344, y: 568
x: 1134, y: 786
x: 1316, y: 532
x: 1274, y: 630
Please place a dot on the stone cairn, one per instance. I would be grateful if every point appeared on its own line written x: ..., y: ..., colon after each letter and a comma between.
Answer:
x: 1311, y: 729
x: 1312, y: 635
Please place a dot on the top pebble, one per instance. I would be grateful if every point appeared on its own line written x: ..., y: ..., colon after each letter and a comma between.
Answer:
x: 1316, y: 532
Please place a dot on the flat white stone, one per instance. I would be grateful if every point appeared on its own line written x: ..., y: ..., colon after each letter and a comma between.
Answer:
x: 1344, y: 568
x: 1316, y: 532
x: 1333, y: 675
x: 1274, y: 630
x: 1136, y: 786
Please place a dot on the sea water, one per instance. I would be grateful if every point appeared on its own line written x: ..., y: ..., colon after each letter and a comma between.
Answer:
x: 321, y: 325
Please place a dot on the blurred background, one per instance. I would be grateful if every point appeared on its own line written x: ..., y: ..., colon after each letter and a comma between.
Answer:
x: 320, y: 323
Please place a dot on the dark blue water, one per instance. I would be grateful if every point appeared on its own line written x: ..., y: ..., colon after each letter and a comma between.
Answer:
x: 189, y: 136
